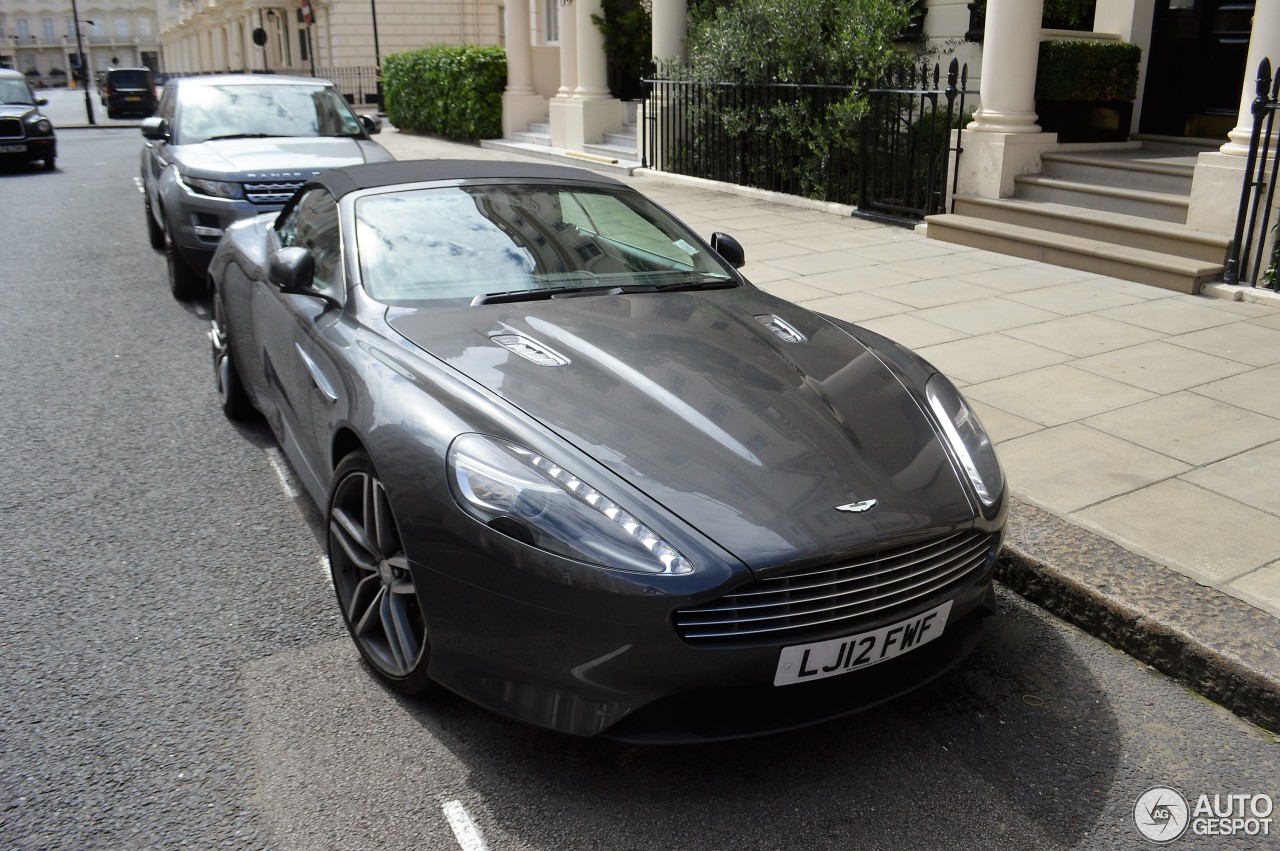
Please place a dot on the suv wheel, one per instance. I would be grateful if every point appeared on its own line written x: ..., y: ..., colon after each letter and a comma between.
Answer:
x: 155, y: 233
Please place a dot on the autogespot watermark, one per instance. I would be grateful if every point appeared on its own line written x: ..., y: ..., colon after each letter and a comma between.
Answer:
x: 1162, y: 814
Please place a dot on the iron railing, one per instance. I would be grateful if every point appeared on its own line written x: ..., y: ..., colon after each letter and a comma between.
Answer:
x: 885, y: 149
x: 359, y: 85
x: 906, y: 144
x: 1257, y: 195
x: 783, y: 137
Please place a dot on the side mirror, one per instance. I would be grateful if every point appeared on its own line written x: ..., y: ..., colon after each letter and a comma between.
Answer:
x: 293, y: 270
x: 729, y: 249
x: 42, y: 101
x: 155, y: 129
x: 372, y: 124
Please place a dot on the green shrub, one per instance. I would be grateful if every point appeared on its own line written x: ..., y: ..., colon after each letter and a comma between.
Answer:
x: 1070, y: 69
x: 455, y: 92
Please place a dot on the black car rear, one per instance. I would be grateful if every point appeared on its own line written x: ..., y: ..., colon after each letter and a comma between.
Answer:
x: 129, y: 92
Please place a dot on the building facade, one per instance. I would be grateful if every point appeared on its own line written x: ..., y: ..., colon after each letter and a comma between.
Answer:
x: 38, y: 37
x: 208, y: 36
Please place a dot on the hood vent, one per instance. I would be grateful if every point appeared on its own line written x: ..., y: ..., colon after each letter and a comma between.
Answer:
x: 781, y: 328
x: 530, y: 350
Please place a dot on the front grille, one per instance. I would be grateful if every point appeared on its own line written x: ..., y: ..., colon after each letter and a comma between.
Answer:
x: 839, y: 600
x: 11, y: 128
x: 271, y: 192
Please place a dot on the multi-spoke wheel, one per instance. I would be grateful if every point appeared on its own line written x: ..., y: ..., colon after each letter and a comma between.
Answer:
x: 372, y: 578
x: 235, y: 401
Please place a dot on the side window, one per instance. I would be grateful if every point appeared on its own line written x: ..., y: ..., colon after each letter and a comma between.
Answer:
x: 313, y: 224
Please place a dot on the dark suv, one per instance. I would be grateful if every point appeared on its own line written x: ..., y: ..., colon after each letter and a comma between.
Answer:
x: 227, y: 147
x: 128, y: 91
x: 25, y: 133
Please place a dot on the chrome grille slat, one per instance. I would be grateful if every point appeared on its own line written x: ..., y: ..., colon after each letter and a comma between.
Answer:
x: 813, y: 603
x: 792, y: 589
x: 271, y: 191
x: 934, y: 583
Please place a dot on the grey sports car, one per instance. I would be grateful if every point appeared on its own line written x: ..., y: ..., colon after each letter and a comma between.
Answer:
x: 579, y: 470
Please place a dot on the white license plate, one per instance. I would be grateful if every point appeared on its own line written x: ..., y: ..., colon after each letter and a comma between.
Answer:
x: 804, y: 663
x: 12, y: 149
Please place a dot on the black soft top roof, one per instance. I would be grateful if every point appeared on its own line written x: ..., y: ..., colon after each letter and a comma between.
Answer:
x: 341, y: 181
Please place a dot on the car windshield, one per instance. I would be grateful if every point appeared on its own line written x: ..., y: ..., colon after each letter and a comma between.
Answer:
x: 521, y: 240
x: 15, y: 91
x: 230, y: 112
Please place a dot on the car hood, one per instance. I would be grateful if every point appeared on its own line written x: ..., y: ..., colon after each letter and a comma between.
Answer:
x: 16, y: 110
x: 284, y: 158
x: 752, y: 440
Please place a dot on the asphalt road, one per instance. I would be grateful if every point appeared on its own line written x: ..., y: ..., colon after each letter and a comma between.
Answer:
x: 175, y: 672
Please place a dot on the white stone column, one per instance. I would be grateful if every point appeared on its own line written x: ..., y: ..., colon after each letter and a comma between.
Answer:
x: 1010, y: 50
x: 593, y: 71
x: 521, y: 104
x: 1264, y: 43
x: 1004, y: 141
x: 560, y: 105
x: 670, y: 29
x: 1220, y: 175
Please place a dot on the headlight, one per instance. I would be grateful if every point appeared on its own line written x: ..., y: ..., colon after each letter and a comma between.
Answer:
x: 517, y: 491
x: 216, y: 188
x: 967, y: 438
x: 41, y: 126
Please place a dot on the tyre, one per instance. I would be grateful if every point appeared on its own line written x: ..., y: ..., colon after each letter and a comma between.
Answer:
x: 231, y: 392
x: 184, y: 283
x: 372, y: 579
x: 50, y: 163
x: 155, y: 233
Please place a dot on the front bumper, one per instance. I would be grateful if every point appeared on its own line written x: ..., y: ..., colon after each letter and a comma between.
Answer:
x: 198, y: 222
x: 609, y: 662
x: 31, y: 148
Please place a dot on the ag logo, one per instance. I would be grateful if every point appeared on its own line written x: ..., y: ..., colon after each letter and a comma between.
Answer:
x: 858, y: 507
x: 1161, y: 814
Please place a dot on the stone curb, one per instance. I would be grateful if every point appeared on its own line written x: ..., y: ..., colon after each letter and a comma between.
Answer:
x: 1215, y: 644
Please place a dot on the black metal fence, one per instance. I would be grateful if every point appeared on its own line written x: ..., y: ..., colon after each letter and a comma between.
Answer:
x: 783, y: 137
x: 884, y: 149
x: 1257, y: 196
x: 358, y: 84
x: 906, y: 144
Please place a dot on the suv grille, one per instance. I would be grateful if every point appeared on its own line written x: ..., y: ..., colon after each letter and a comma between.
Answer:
x: 11, y: 128
x: 836, y: 600
x: 271, y: 192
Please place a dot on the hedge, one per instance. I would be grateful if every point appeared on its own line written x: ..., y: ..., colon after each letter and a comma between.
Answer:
x: 1071, y: 69
x: 455, y: 92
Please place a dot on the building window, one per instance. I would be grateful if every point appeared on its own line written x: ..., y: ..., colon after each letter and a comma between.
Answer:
x: 24, y: 30
x: 46, y: 24
x: 71, y: 27
x: 551, y: 12
x: 122, y: 27
x: 144, y: 27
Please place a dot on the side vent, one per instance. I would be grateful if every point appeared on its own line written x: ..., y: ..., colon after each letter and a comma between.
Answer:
x: 530, y: 350
x: 781, y: 328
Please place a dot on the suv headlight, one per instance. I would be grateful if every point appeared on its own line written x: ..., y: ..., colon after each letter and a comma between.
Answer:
x: 531, y: 498
x: 40, y: 125
x: 214, y: 188
x: 967, y: 438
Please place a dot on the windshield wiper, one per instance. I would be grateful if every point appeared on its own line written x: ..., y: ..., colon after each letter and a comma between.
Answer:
x: 543, y: 294
x: 708, y: 283
x: 243, y: 136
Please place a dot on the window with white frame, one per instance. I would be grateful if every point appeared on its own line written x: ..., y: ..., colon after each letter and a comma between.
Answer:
x: 551, y: 11
x: 144, y: 27
x: 24, y: 29
x: 122, y: 26
x: 46, y: 26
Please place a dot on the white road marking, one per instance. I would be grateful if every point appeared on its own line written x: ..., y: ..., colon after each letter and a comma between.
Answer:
x: 324, y: 568
x: 282, y: 472
x: 137, y: 181
x: 464, y: 827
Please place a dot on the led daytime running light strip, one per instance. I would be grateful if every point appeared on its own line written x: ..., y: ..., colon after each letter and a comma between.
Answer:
x: 672, y: 561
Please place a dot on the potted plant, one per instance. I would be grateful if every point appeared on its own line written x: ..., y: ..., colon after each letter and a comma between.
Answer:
x: 1085, y: 89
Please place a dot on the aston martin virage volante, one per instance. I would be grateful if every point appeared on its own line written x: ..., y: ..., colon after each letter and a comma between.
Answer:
x: 577, y: 469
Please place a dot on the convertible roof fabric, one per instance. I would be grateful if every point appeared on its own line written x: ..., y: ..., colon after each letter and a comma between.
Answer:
x: 341, y: 181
